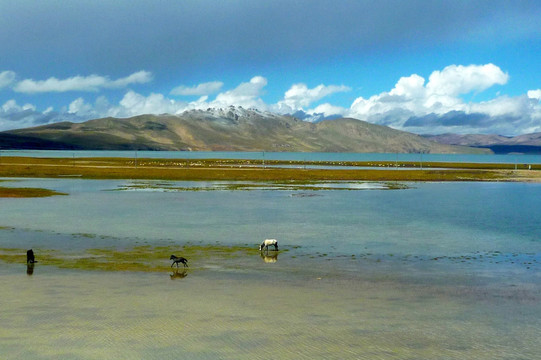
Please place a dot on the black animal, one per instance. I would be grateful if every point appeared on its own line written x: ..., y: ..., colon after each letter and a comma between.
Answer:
x: 30, y: 259
x: 177, y: 260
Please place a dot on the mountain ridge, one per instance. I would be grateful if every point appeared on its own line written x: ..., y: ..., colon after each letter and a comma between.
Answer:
x: 227, y: 129
x: 525, y: 144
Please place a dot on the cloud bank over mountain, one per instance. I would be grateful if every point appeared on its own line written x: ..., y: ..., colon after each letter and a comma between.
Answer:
x: 414, y: 104
x: 423, y: 66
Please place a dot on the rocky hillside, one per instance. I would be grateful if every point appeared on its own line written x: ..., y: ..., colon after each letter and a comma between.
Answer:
x: 230, y: 129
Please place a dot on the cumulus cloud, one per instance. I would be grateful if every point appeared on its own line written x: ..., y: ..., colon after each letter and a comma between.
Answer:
x: 91, y: 83
x: 79, y: 107
x: 136, y: 104
x: 535, y: 94
x: 413, y: 104
x: 455, y: 80
x: 15, y: 116
x: 247, y: 94
x: 6, y: 78
x: 11, y: 106
x: 299, y: 96
x: 198, y: 90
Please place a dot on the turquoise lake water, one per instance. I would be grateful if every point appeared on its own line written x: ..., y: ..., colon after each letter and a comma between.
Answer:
x: 296, y: 156
x: 432, y: 271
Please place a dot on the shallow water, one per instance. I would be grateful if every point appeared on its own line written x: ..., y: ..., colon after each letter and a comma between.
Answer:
x: 433, y: 219
x: 436, y: 271
x: 272, y: 314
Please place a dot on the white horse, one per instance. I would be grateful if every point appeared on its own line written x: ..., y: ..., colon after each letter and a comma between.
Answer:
x: 269, y: 242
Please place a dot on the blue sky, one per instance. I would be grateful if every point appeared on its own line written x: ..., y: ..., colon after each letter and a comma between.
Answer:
x: 420, y: 66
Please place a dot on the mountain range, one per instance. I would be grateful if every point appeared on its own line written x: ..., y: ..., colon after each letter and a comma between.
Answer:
x: 524, y: 144
x: 228, y: 129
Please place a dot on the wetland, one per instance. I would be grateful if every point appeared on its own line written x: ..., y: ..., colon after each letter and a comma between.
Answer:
x: 394, y: 269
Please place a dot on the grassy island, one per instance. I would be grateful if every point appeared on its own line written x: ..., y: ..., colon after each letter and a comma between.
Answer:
x: 257, y: 170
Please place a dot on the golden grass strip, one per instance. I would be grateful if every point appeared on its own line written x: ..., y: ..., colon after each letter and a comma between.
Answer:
x: 252, y: 170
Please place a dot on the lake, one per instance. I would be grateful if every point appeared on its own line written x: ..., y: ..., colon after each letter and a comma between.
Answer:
x: 430, y: 271
x: 284, y: 156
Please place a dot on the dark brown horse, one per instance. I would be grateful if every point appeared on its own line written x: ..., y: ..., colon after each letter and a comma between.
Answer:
x: 177, y: 260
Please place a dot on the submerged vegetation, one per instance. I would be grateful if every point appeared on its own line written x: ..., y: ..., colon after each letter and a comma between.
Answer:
x: 139, y: 258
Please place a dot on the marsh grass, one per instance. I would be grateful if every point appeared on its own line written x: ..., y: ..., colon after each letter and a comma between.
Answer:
x: 144, y: 258
x: 6, y: 192
x: 252, y: 170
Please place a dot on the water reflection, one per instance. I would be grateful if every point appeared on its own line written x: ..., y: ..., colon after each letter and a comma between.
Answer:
x: 272, y: 258
x: 178, y: 274
x: 30, y: 260
x: 29, y: 269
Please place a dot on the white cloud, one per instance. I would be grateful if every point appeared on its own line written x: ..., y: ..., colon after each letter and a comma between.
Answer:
x: 455, y: 80
x: 245, y: 95
x: 79, y: 107
x: 6, y: 78
x: 410, y: 87
x: 198, y: 90
x: 441, y: 95
x: 140, y: 77
x: 412, y: 104
x: 136, y: 104
x: 299, y: 96
x: 15, y: 116
x: 328, y: 110
x: 11, y: 105
x: 535, y: 94
x: 92, y: 83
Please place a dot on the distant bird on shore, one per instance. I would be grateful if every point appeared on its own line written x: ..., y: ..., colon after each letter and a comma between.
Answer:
x: 178, y: 259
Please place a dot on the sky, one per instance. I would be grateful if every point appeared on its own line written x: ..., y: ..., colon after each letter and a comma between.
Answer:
x: 427, y: 67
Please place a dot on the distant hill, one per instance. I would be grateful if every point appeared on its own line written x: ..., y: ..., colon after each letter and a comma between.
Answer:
x: 525, y: 144
x: 230, y: 129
